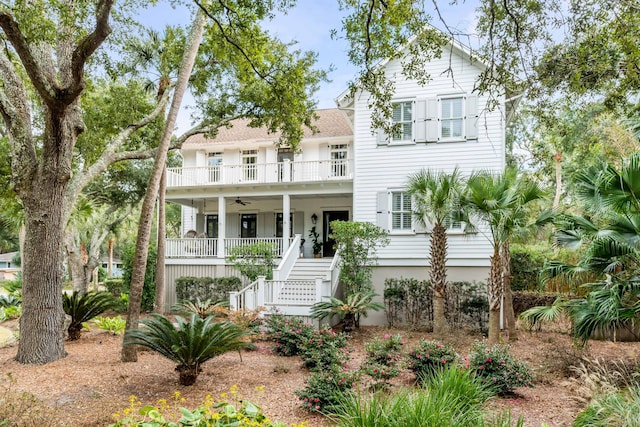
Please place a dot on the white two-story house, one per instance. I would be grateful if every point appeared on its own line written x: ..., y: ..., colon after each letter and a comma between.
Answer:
x: 239, y: 188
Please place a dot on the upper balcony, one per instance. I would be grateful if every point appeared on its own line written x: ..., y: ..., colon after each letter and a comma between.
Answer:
x: 261, y: 173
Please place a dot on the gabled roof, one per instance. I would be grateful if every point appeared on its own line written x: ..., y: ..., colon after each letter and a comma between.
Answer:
x: 330, y: 123
x: 7, y: 257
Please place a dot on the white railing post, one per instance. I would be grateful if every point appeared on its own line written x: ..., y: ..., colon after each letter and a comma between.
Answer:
x: 261, y: 291
x: 319, y: 289
x: 233, y: 300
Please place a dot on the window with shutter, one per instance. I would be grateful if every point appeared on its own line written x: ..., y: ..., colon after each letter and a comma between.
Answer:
x: 403, y: 121
x: 401, y: 212
x: 451, y: 118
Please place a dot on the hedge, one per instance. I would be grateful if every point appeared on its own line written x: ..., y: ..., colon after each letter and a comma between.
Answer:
x: 203, y: 288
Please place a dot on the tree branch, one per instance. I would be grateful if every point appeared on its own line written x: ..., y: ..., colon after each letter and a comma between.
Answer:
x: 88, y: 46
x: 47, y: 89
x: 109, y: 155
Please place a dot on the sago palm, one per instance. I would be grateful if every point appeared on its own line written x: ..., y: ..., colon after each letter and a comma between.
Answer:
x: 435, y: 197
x: 187, y: 343
x: 84, y: 307
x: 349, y: 310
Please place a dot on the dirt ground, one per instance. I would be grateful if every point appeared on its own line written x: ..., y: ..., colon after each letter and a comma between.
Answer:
x: 91, y: 384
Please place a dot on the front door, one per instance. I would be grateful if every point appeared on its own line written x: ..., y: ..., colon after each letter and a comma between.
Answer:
x: 212, y: 226
x: 248, y: 225
x: 327, y: 217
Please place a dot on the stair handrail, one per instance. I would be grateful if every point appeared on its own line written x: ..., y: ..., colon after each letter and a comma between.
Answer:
x: 235, y: 297
x: 282, y: 271
x: 334, y: 270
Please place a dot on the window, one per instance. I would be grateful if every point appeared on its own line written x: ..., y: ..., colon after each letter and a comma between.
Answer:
x: 339, y: 160
x: 248, y: 225
x: 280, y: 224
x: 249, y: 160
x: 400, y: 211
x: 403, y: 120
x: 214, y: 162
x: 212, y: 226
x: 451, y: 118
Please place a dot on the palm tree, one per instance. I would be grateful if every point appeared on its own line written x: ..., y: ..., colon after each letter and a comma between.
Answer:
x: 146, y: 216
x: 355, y: 305
x: 436, y: 200
x: 608, y: 232
x: 501, y: 201
x: 188, y: 343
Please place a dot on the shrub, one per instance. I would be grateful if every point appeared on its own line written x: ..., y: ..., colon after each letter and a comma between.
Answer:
x: 216, y: 289
x: 430, y: 357
x: 498, y: 369
x: 149, y: 287
x: 116, y: 286
x: 323, y: 390
x: 84, y: 307
x: 409, y: 302
x: 256, y: 259
x: 323, y: 349
x: 203, y: 308
x: 383, y: 358
x: 115, y: 325
x: 287, y: 333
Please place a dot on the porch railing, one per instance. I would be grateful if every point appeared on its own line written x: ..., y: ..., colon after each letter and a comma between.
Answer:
x: 290, y: 297
x: 261, y: 173
x: 208, y: 248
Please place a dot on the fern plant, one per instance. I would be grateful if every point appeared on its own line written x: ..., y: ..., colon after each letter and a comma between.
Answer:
x: 84, y: 307
x: 115, y: 325
x: 187, y: 343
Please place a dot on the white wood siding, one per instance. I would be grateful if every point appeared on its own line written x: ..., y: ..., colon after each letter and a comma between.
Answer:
x: 382, y: 167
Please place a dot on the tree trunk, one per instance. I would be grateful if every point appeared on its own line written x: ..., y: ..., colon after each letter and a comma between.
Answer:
x: 439, y: 323
x: 556, y: 198
x: 110, y: 261
x: 162, y: 231
x: 129, y: 353
x: 42, y: 320
x: 494, y: 327
x: 438, y: 276
x: 494, y: 295
x: 510, y: 317
x: 76, y: 267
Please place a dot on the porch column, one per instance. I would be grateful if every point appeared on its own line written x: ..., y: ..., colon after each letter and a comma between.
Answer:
x: 286, y: 222
x: 222, y: 216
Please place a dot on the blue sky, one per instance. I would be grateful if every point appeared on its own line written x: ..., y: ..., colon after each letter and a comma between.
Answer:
x: 310, y: 24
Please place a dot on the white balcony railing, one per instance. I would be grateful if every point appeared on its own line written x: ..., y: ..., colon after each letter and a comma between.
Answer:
x: 261, y: 173
x: 208, y: 248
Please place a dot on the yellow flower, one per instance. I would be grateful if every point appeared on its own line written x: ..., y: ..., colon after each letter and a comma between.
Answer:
x: 260, y: 388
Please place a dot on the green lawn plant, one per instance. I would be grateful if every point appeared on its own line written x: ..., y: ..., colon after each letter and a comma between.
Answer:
x: 188, y: 343
x: 427, y: 358
x: 84, y: 307
x: 498, y: 369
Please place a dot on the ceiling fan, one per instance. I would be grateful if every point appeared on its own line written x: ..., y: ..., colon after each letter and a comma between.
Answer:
x: 239, y: 201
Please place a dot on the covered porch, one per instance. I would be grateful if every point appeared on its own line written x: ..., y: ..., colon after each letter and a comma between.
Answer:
x: 214, y: 225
